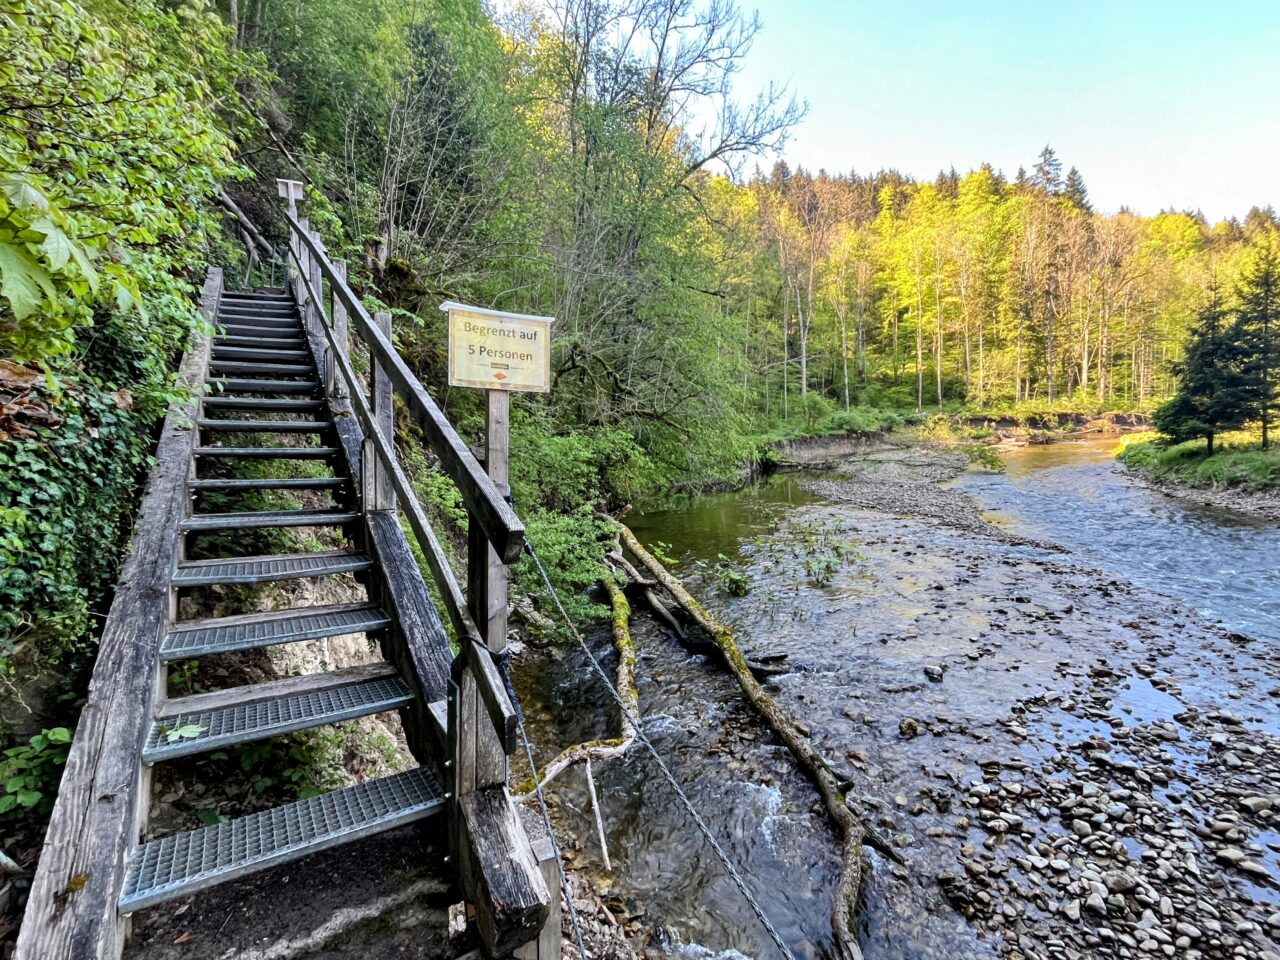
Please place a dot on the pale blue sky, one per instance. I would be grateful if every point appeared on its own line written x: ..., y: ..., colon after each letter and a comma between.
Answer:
x: 1173, y: 104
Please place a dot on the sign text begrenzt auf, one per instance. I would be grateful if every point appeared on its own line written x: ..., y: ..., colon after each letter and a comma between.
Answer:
x: 498, y: 351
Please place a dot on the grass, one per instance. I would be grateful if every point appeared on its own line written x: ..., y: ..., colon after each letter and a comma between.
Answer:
x: 1239, y: 461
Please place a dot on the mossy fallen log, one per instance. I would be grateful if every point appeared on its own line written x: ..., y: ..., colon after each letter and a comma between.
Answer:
x: 854, y: 833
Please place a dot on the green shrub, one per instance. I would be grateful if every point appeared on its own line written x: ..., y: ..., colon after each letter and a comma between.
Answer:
x: 30, y: 774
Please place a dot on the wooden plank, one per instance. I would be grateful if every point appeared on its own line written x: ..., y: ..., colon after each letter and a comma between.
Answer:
x: 499, y: 522
x: 71, y: 913
x: 499, y: 873
x: 482, y: 752
x: 337, y: 387
x: 420, y: 644
x: 378, y: 490
x: 273, y: 689
x: 547, y: 946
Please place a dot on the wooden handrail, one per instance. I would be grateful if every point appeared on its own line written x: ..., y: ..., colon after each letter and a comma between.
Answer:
x: 499, y: 522
x: 488, y: 681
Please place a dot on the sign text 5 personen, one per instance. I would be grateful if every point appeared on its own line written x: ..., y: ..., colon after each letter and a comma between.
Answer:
x: 498, y: 351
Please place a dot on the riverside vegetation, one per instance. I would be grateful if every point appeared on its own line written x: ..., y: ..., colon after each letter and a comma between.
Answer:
x: 708, y: 300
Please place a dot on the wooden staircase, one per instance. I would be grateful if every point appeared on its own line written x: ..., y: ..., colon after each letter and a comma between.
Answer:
x: 274, y: 388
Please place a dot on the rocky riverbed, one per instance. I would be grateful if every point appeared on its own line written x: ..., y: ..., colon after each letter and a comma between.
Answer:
x: 1074, y: 765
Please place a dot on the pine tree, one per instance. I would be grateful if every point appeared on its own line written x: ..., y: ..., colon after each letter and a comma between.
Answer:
x: 1075, y: 191
x: 1048, y: 173
x: 1213, y: 392
x: 1258, y: 323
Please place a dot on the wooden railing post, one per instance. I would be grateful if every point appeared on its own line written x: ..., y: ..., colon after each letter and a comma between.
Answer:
x: 486, y: 764
x: 335, y: 386
x: 315, y: 309
x: 304, y: 270
x: 291, y: 190
x: 378, y: 492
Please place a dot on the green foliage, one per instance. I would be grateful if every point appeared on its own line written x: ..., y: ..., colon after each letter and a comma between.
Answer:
x: 65, y: 494
x: 571, y: 546
x: 731, y: 580
x: 301, y: 765
x: 30, y: 774
x: 1238, y: 463
x: 114, y: 139
x: 562, y: 468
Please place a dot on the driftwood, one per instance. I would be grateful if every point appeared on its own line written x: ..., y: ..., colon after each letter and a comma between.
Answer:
x: 854, y: 832
x: 762, y: 667
x: 608, y: 748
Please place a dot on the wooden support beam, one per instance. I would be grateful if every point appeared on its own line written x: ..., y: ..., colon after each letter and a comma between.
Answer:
x: 547, y: 946
x: 378, y: 491
x: 335, y: 385
x: 71, y: 913
x: 500, y: 875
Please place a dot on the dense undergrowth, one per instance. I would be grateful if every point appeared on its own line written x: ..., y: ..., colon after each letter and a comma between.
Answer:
x: 113, y: 139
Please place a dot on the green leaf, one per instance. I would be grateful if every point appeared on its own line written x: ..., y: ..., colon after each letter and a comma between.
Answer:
x: 29, y: 798
x: 184, y: 732
x: 58, y: 735
x: 23, y: 281
x: 23, y: 194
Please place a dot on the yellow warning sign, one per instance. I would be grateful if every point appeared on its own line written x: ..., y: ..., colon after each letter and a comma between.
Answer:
x: 498, y: 351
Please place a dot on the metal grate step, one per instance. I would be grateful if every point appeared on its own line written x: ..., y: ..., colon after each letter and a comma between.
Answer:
x: 251, y: 306
x: 255, y: 296
x: 257, y: 519
x: 262, y: 405
x: 200, y: 638
x: 273, y: 369
x: 221, y: 352
x: 268, y: 453
x: 260, y: 322
x: 265, y: 426
x: 268, y: 295
x: 284, y: 566
x: 269, y: 483
x: 272, y: 334
x: 244, y: 723
x: 185, y: 863
x: 257, y: 318
x: 246, y: 385
x: 284, y: 343
x: 235, y: 303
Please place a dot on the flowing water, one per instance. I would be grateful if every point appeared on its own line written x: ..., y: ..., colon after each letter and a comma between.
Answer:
x: 861, y: 601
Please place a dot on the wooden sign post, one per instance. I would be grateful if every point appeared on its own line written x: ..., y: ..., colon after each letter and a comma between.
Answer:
x: 499, y: 353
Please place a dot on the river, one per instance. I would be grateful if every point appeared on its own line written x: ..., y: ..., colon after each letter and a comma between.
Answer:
x: 1154, y: 609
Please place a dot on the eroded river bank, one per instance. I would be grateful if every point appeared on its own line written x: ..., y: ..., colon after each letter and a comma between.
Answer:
x: 1055, y: 689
